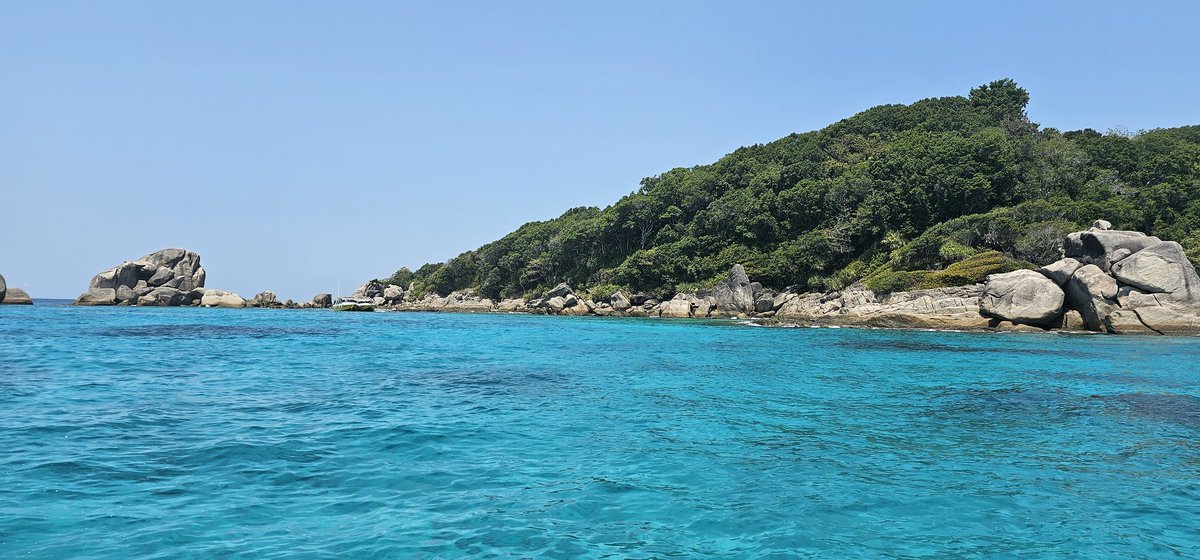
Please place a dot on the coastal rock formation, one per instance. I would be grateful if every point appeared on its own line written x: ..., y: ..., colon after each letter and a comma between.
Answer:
x: 948, y: 308
x: 3, y: 288
x: 562, y: 290
x: 764, y: 301
x: 1093, y: 294
x: 1126, y: 321
x: 393, y: 293
x: 1160, y: 269
x: 266, y: 299
x: 1061, y: 271
x: 511, y: 305
x: 368, y: 291
x: 679, y: 307
x: 735, y: 296
x: 466, y: 300
x: 619, y: 302
x: 221, y: 298
x: 16, y: 296
x: 1121, y: 282
x: 1109, y: 280
x: 1169, y: 318
x: 376, y: 293
x: 322, y: 301
x: 1103, y: 247
x: 166, y: 296
x: 98, y: 296
x: 1024, y: 297
x: 133, y: 282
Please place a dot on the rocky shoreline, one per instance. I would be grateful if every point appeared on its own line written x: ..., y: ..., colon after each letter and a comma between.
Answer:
x: 1108, y: 281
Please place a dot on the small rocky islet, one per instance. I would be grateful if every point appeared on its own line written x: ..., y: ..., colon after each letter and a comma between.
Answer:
x: 173, y: 278
x: 13, y: 296
x: 1119, y: 282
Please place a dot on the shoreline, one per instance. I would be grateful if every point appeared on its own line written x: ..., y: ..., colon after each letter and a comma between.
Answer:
x: 1106, y: 281
x: 926, y: 323
x: 779, y: 323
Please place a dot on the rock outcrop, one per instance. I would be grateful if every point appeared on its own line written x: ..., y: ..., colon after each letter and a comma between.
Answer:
x: 735, y: 296
x: 562, y: 290
x: 1109, y: 280
x: 1023, y: 297
x: 1061, y: 271
x: 393, y: 293
x: 3, y: 288
x: 322, y: 301
x: 1093, y: 294
x: 680, y: 307
x: 941, y: 308
x: 142, y: 282
x: 368, y: 291
x: 166, y: 296
x: 1122, y: 282
x: 16, y: 296
x: 1162, y: 268
x: 1104, y: 247
x: 619, y: 302
x: 221, y: 298
x: 266, y: 299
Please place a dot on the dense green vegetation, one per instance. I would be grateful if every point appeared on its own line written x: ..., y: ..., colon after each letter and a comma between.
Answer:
x: 941, y: 192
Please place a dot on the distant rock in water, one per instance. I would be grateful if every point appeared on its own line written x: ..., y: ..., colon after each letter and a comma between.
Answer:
x: 170, y: 277
x: 15, y: 296
x: 265, y: 299
x: 322, y: 301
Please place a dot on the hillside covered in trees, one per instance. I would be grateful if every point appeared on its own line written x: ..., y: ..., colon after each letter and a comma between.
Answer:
x: 941, y: 192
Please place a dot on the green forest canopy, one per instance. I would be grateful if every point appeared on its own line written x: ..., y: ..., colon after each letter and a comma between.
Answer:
x: 940, y: 192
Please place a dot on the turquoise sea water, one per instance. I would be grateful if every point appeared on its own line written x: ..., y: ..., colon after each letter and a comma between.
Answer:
x: 198, y: 433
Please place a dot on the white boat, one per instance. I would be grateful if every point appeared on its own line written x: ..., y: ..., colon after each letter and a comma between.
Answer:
x: 353, y: 305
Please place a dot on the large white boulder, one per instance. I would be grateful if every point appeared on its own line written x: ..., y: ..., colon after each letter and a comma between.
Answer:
x: 1025, y: 297
x: 221, y: 298
x: 1162, y: 268
x: 680, y: 307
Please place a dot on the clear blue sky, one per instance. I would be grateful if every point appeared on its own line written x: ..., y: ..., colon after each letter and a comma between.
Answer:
x: 299, y: 145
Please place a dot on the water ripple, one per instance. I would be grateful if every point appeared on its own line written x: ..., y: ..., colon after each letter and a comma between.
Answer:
x: 199, y: 433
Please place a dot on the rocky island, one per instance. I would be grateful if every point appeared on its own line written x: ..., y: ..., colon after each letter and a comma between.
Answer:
x: 172, y: 278
x: 948, y: 213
